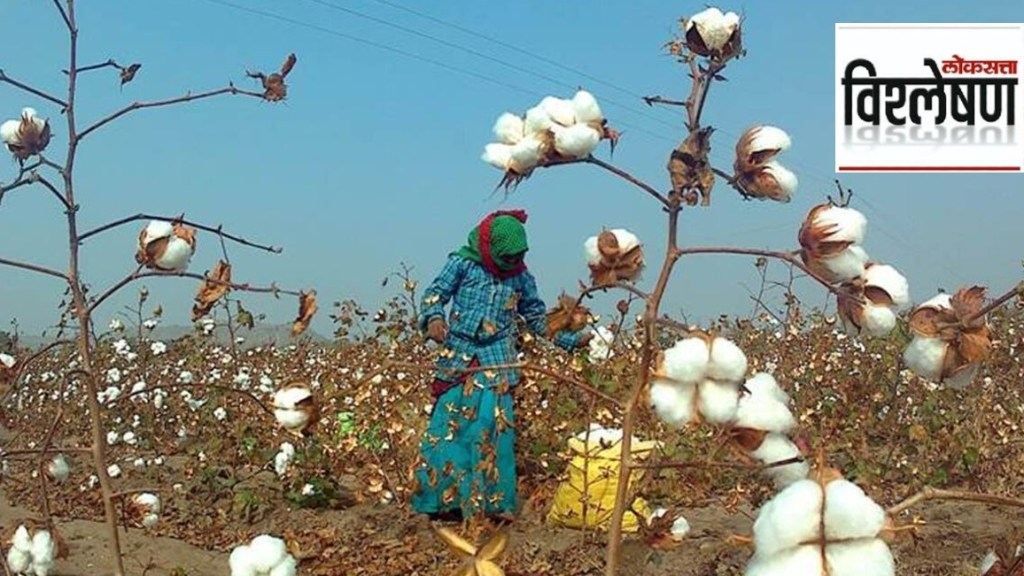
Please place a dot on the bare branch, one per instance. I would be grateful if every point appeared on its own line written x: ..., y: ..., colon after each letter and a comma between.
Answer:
x: 204, y: 386
x: 64, y: 15
x: 230, y: 89
x: 139, y: 274
x: 5, y: 78
x: 929, y: 493
x: 629, y: 178
x: 108, y: 64
x: 219, y: 230
x: 652, y: 100
x: 56, y: 193
x: 790, y: 257
x: 35, y: 268
x: 728, y: 465
x: 616, y: 285
x: 1017, y: 290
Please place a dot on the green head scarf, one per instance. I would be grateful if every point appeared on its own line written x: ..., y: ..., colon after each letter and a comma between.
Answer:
x: 500, y: 235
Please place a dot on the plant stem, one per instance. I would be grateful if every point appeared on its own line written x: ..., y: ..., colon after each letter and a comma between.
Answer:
x: 929, y: 493
x: 1003, y: 299
x: 218, y: 230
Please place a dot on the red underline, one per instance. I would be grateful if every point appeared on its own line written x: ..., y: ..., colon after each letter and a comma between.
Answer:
x: 931, y: 168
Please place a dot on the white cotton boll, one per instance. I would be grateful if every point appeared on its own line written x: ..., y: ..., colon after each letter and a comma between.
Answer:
x: 727, y: 361
x: 177, y: 255
x: 860, y: 558
x: 9, y: 132
x: 586, y: 108
x: 672, y: 402
x: 765, y: 383
x: 878, y: 321
x: 509, y: 128
x: 497, y: 155
x: 18, y: 561
x: 687, y: 361
x: 763, y: 410
x: 526, y: 154
x: 769, y: 138
x: 43, y: 548
x: 576, y: 141
x: 718, y: 401
x: 801, y: 561
x: 850, y: 513
x: 846, y: 265
x: 680, y: 528
x: 988, y: 562
x: 791, y: 517
x: 113, y: 471
x: 941, y: 300
x: 846, y: 224
x: 600, y: 346
x: 150, y: 520
x: 626, y: 239
x: 239, y: 562
x: 889, y: 279
x: 924, y: 356
x: 266, y: 551
x: 779, y: 448
x: 7, y: 360
x: 59, y: 469
x: 149, y: 501
x: 285, y: 568
x: 963, y: 379
x: 713, y: 26
x: 22, y: 540
x: 560, y: 111
x: 788, y: 182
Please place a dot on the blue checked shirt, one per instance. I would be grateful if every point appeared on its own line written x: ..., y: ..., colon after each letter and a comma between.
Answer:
x: 482, y: 320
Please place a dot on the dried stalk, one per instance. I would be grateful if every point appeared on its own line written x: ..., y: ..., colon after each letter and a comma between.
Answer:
x: 34, y: 268
x: 138, y: 274
x: 5, y: 78
x: 218, y: 230
x: 929, y: 493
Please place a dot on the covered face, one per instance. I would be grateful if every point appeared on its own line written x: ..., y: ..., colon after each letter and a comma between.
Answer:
x: 499, y: 243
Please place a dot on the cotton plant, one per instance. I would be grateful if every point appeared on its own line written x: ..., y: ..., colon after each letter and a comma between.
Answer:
x: 556, y: 129
x: 32, y: 553
x: 758, y: 174
x: 26, y: 136
x: 698, y: 378
x: 166, y: 246
x: 950, y: 338
x: 821, y: 526
x: 264, y: 555
x: 614, y: 255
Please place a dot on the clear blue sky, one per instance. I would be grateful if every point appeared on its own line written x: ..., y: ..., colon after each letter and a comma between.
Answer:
x: 346, y: 173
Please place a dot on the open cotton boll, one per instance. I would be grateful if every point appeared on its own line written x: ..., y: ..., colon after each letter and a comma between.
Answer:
x: 284, y: 568
x: 845, y: 224
x: 626, y: 239
x: 778, y: 448
x: 21, y: 539
x: 718, y: 401
x: 43, y: 550
x: 846, y: 265
x: 765, y: 383
x: 878, y: 321
x: 58, y: 468
x: 560, y: 111
x: 768, y: 138
x: 497, y: 155
x: 18, y: 561
x: 784, y: 177
x: 850, y: 513
x: 800, y: 561
x: 942, y: 300
x: 687, y: 361
x: 590, y: 250
x: 537, y: 120
x: 714, y: 27
x: 576, y: 141
x: 289, y: 407
x: 860, y: 558
x: 889, y: 279
x: 727, y: 362
x: 9, y: 132
x: 526, y: 154
x: 924, y: 356
x: 791, y: 517
x: 239, y: 562
x: 177, y: 256
x: 672, y: 402
x: 155, y: 230
x: 509, y: 128
x: 266, y: 552
x: 585, y: 108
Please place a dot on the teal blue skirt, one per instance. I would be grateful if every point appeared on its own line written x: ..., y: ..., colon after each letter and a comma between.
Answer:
x: 467, y: 455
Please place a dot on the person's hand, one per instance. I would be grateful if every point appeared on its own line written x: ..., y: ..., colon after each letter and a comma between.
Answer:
x: 437, y: 329
x: 585, y: 339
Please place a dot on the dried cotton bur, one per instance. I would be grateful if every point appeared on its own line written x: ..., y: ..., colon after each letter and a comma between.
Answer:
x: 477, y: 561
x: 166, y: 246
x: 822, y: 526
x: 614, y: 256
x: 307, y: 309
x: 689, y: 168
x: 567, y: 315
x: 949, y: 341
x: 830, y: 242
x: 757, y: 173
x: 698, y: 378
x: 555, y: 130
x: 296, y: 409
x: 216, y: 285
x: 265, y: 555
x: 761, y: 427
x: 274, y: 88
x: 26, y: 136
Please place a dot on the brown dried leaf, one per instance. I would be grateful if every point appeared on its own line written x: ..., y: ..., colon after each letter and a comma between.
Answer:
x: 128, y: 74
x: 924, y: 321
x: 307, y: 309
x: 689, y: 168
x: 567, y: 315
x: 974, y: 346
x: 213, y: 289
x: 967, y: 302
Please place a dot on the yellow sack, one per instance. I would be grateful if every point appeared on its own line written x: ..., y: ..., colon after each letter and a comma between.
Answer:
x: 593, y: 480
